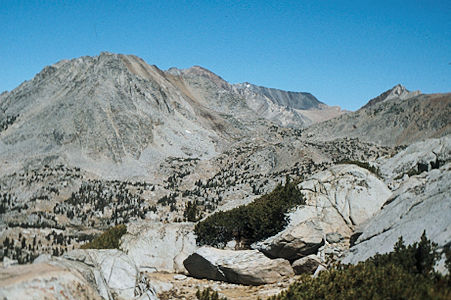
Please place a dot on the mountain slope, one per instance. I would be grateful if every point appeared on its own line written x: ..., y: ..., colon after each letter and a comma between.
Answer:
x: 107, y: 107
x: 290, y: 109
x: 116, y: 108
x: 391, y: 119
x: 398, y: 91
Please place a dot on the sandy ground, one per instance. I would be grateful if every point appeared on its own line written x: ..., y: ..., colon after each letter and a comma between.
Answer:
x: 173, y: 286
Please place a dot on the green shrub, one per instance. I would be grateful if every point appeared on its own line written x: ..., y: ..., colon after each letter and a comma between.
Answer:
x: 364, y: 165
x: 405, y: 273
x: 192, y: 212
x: 412, y: 172
x: 208, y: 294
x: 264, y: 217
x: 107, y: 240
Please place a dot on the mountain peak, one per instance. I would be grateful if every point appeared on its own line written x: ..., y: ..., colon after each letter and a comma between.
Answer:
x: 398, y: 91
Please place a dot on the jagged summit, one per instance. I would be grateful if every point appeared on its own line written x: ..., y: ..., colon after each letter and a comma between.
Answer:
x: 398, y: 91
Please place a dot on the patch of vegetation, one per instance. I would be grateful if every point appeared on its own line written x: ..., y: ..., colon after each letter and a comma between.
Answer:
x: 208, y: 294
x: 405, y: 273
x: 412, y: 172
x: 108, y: 240
x: 364, y: 165
x: 192, y: 212
x: 264, y: 217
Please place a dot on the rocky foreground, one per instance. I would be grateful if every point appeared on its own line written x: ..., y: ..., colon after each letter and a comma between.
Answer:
x: 347, y: 207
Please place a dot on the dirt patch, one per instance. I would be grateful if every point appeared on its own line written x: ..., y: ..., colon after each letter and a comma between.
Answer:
x: 169, y: 286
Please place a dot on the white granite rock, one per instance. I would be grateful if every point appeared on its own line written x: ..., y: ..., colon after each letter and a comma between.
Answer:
x: 44, y: 281
x: 337, y: 200
x: 424, y: 155
x: 7, y: 262
x: 158, y: 246
x: 421, y: 203
x: 249, y: 267
x: 116, y: 269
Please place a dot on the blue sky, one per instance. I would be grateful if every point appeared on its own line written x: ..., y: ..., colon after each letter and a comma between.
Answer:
x: 343, y: 52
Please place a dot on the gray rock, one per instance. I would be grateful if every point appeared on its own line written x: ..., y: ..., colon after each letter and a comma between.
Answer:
x: 44, y: 281
x: 333, y: 237
x: 248, y: 267
x: 115, y: 269
x: 7, y: 262
x: 337, y: 200
x: 306, y: 265
x: 42, y: 258
x: 418, y: 157
x: 301, y: 240
x: 158, y: 246
x: 320, y: 269
x: 180, y: 277
x: 421, y: 203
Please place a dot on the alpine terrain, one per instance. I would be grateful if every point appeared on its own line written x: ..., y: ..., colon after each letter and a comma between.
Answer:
x: 119, y: 180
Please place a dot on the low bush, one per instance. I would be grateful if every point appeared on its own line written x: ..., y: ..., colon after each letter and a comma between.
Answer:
x: 364, y: 165
x: 108, y: 240
x: 264, y: 217
x: 405, y: 273
x: 208, y: 294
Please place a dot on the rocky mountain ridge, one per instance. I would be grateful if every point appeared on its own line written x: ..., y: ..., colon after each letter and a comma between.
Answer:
x: 398, y: 91
x: 98, y: 112
x: 397, y: 117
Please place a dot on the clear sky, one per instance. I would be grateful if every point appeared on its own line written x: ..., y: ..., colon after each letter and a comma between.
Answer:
x: 343, y: 52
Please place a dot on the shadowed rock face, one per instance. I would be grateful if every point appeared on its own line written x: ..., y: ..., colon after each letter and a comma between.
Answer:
x: 297, y: 100
x: 290, y: 109
x: 245, y: 267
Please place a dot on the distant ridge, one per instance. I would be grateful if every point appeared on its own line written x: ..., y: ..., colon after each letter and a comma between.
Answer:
x: 398, y: 91
x: 396, y: 117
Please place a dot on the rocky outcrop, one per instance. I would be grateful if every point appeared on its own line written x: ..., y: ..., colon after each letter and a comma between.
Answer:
x: 44, y: 281
x: 158, y: 246
x: 306, y: 265
x: 303, y: 239
x: 248, y: 267
x: 110, y: 272
x: 113, y: 270
x: 337, y: 200
x: 421, y: 203
x: 417, y: 158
